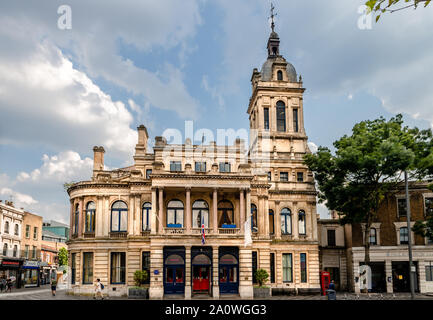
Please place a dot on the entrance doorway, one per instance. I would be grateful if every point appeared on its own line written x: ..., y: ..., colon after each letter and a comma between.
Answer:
x: 174, y: 271
x: 228, y: 271
x: 400, y: 276
x: 201, y: 279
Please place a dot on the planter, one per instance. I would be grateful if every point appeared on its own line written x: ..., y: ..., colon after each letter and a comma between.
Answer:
x: 138, y: 293
x: 262, y: 292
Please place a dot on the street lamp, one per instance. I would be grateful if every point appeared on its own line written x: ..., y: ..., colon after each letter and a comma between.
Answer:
x: 411, y: 266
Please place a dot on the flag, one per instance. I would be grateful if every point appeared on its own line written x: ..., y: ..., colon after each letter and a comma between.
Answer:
x: 203, y: 235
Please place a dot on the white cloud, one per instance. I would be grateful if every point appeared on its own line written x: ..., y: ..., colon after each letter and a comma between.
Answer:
x: 313, y: 147
x: 18, y: 198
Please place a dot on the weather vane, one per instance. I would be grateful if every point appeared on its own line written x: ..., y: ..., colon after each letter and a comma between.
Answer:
x: 272, y: 16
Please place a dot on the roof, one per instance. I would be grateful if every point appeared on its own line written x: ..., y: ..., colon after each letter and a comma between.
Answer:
x: 267, y: 69
x: 53, y: 223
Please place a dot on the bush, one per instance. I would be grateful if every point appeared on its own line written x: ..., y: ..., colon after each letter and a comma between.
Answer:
x: 261, y: 276
x: 140, y: 276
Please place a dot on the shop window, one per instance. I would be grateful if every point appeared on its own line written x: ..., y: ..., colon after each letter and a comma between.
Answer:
x: 118, y: 267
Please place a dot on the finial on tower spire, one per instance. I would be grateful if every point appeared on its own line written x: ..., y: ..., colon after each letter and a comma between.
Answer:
x: 272, y: 16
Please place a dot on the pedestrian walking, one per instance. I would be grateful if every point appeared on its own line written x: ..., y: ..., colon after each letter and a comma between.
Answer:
x: 332, y: 294
x: 9, y: 285
x: 53, y: 286
x: 98, y: 289
x: 332, y: 285
x: 2, y: 284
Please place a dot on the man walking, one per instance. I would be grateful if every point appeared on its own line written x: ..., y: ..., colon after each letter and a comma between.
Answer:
x: 98, y: 289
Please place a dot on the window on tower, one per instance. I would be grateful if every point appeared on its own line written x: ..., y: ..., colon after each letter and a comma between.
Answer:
x: 295, y: 120
x: 266, y: 116
x: 280, y: 75
x: 281, y: 116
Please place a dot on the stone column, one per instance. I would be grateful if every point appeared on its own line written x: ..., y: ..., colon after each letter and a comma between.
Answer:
x: 187, y: 272
x: 188, y: 211
x: 309, y: 216
x: 138, y: 223
x: 215, y: 210
x: 71, y: 219
x: 277, y: 217
x: 161, y: 209
x: 153, y: 214
x: 106, y: 216
x: 242, y: 210
x: 248, y: 211
x: 314, y: 218
x: 131, y: 213
x: 266, y: 214
x: 295, y: 223
x: 388, y: 273
x: 98, y: 218
x: 215, y: 272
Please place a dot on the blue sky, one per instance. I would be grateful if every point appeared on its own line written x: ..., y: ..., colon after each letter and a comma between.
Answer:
x: 160, y: 63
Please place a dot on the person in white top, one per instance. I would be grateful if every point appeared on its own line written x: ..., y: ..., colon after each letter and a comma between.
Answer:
x: 98, y: 289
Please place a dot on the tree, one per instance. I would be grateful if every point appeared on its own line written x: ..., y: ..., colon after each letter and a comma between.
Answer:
x: 63, y: 257
x: 382, y: 6
x: 366, y: 167
x: 67, y: 185
x: 140, y: 276
x: 261, y: 276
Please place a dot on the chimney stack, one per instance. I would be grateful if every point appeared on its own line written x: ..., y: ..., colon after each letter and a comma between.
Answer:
x: 98, y: 158
x: 143, y: 136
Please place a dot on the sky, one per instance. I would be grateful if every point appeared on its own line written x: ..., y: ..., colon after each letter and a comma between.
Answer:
x: 89, y: 76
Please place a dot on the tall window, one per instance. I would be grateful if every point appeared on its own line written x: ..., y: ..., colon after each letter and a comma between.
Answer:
x: 145, y: 218
x: 302, y: 222
x: 428, y: 206
x: 404, y: 235
x: 90, y: 217
x: 300, y: 176
x: 286, y: 221
x: 225, y: 214
x: 303, y: 267
x: 331, y: 237
x: 27, y: 231
x: 33, y: 252
x: 269, y: 176
x: 254, y: 226
x: 271, y: 222
x: 175, y: 166
x: 401, y: 207
x: 35, y: 233
x: 225, y: 167
x: 119, y: 217
x: 76, y: 218
x: 284, y: 176
x: 200, y: 167
x: 5, y: 249
x: 88, y: 268
x: 280, y: 75
x: 16, y: 229
x: 7, y: 227
x: 373, y: 236
x: 175, y: 214
x: 26, y: 251
x: 118, y: 266
x: 73, y: 267
x: 272, y: 267
x: 287, y: 267
x: 148, y: 173
x: 254, y: 264
x: 295, y: 120
x: 15, y: 251
x: 200, y: 214
x: 145, y: 264
x: 281, y: 116
x: 266, y: 118
x: 429, y: 271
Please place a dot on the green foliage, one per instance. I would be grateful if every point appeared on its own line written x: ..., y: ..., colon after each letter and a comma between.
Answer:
x: 63, y: 257
x: 382, y: 6
x: 261, y: 276
x: 67, y: 185
x: 368, y: 165
x: 140, y: 276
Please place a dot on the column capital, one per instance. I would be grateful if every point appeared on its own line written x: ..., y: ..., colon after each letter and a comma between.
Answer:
x: 188, y: 188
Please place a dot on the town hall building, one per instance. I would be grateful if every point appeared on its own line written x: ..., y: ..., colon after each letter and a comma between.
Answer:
x: 201, y: 219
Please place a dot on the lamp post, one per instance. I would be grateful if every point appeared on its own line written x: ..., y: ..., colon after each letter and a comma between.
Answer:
x: 411, y: 267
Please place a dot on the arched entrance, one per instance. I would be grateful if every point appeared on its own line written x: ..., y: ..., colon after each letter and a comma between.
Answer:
x: 174, y: 271
x: 229, y: 270
x: 201, y: 273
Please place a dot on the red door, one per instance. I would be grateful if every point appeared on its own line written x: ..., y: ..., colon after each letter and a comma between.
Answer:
x: 200, y: 280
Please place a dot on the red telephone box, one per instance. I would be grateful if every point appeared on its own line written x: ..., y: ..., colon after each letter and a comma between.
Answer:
x: 325, y: 279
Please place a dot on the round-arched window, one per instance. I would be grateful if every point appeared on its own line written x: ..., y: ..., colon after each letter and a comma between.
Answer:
x: 228, y: 259
x: 174, y: 259
x: 201, y: 259
x: 286, y: 221
x: 200, y: 214
x: 146, y: 210
x: 119, y: 217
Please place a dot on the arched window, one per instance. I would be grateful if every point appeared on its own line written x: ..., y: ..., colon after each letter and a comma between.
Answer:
x: 281, y: 116
x: 280, y: 75
x: 119, y: 217
x: 302, y: 222
x: 200, y: 214
x: 228, y: 259
x: 7, y: 227
x: 76, y: 216
x: 254, y: 227
x: 5, y: 249
x: 175, y: 214
x: 225, y: 214
x: 271, y: 222
x: 372, y: 238
x: 17, y: 230
x: 286, y: 221
x: 90, y: 217
x: 404, y: 235
x: 201, y: 259
x: 174, y: 259
x: 145, y: 216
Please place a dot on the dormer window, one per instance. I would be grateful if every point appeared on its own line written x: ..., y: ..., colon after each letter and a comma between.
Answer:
x: 280, y: 75
x: 175, y: 166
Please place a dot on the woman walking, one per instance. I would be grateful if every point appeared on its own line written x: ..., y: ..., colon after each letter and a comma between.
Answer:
x: 53, y: 286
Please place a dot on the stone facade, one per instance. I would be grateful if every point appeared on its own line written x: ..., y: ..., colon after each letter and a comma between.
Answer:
x: 150, y: 215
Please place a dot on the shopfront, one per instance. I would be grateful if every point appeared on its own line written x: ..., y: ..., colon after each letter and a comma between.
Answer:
x: 228, y: 270
x: 174, y: 270
x: 31, y: 274
x: 11, y: 269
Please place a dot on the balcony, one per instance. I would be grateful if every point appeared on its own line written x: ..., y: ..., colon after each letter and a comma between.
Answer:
x: 89, y: 235
x: 119, y: 235
x: 145, y: 233
x: 197, y: 231
x: 229, y: 231
x: 174, y: 231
